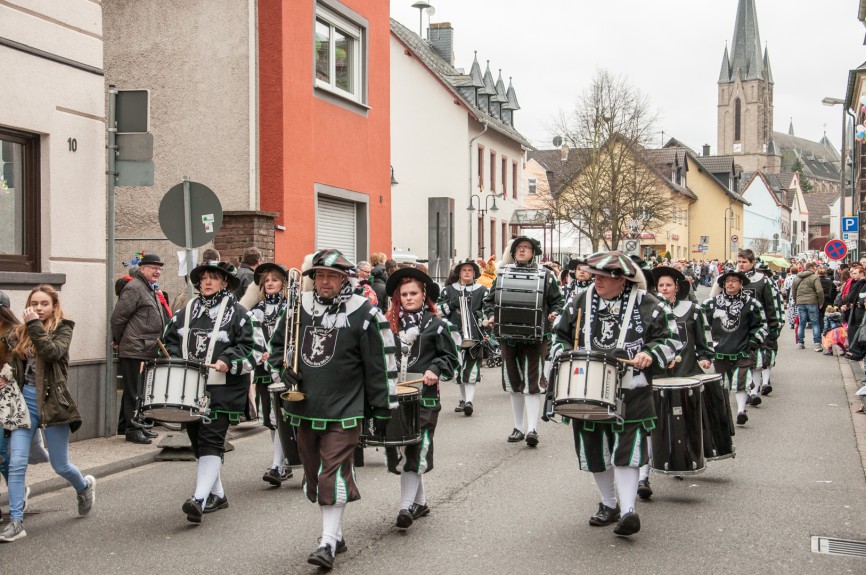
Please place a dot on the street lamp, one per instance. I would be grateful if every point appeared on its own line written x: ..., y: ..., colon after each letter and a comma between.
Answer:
x: 421, y: 7
x: 481, y: 212
x: 828, y: 101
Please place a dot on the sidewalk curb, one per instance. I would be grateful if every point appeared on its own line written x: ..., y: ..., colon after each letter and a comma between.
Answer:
x: 57, y: 483
x: 858, y: 420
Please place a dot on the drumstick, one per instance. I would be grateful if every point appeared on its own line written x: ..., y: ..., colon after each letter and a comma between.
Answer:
x: 162, y: 347
x: 676, y: 360
x: 631, y: 362
x: 411, y: 381
x: 577, y: 328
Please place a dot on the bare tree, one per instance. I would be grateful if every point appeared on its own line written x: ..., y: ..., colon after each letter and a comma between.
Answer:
x: 604, y: 186
x: 762, y: 245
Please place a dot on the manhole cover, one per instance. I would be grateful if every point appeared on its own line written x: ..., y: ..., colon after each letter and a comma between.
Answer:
x: 833, y: 546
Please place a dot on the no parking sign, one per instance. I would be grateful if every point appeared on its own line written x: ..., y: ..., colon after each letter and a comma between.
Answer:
x: 836, y: 249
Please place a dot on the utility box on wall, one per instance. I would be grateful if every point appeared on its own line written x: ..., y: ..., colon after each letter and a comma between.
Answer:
x: 440, y: 236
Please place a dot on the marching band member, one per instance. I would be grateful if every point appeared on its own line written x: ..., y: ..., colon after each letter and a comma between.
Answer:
x: 272, y: 280
x: 425, y: 344
x: 345, y: 367
x: 739, y: 329
x: 523, y: 360
x: 578, y: 278
x: 769, y: 355
x: 463, y: 284
x: 216, y: 330
x: 616, y: 313
x: 693, y: 332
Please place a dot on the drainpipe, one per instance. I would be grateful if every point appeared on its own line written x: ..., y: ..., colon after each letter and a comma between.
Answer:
x: 253, y: 93
x: 471, y: 142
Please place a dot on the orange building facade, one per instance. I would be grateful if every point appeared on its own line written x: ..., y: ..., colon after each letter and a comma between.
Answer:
x: 324, y: 125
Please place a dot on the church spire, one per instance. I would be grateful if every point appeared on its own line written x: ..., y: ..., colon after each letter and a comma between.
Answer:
x: 746, y: 55
x: 791, y: 127
x: 725, y: 72
x: 768, y: 72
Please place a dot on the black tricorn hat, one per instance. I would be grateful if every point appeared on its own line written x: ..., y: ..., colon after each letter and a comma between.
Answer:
x: 396, y: 278
x: 468, y: 262
x: 225, y: 269
x: 330, y: 259
x: 744, y: 279
x: 262, y: 269
x: 683, y: 285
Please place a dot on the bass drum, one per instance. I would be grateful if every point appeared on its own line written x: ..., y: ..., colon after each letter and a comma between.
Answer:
x: 677, y: 440
x: 718, y: 420
x: 285, y: 430
x: 521, y: 312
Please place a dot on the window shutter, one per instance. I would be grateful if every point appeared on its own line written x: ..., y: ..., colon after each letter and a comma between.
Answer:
x: 336, y: 226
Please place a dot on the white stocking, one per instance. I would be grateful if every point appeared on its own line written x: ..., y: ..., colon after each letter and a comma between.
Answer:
x: 279, y: 457
x: 626, y: 483
x: 604, y: 482
x: 533, y: 407
x: 517, y: 406
x: 208, y: 472
x: 741, y: 401
x: 468, y: 390
x: 409, y: 481
x: 332, y: 524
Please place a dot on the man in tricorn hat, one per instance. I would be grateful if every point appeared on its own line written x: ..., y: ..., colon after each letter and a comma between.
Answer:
x: 523, y: 355
x: 739, y: 330
x: 137, y: 323
x: 346, y: 368
x: 462, y: 286
x: 617, y: 315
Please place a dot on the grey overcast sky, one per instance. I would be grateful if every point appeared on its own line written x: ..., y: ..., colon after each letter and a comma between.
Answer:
x: 670, y: 49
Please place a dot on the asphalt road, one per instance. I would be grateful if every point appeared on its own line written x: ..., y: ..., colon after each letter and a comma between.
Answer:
x: 496, y: 507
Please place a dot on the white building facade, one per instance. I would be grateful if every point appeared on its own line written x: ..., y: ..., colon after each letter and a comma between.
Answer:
x: 767, y: 218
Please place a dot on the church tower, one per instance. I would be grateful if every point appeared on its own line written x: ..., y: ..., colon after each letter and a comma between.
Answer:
x: 745, y: 120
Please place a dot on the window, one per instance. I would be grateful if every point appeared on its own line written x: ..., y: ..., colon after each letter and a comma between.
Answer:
x: 533, y: 184
x: 737, y: 111
x: 480, y: 167
x: 19, y: 201
x: 514, y: 180
x: 504, y: 178
x: 492, y: 236
x: 338, y: 47
x: 480, y: 237
x: 492, y: 171
x: 504, y: 236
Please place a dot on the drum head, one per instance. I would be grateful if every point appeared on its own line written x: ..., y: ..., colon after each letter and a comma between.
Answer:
x: 170, y: 414
x: 676, y: 382
x: 407, y: 389
x: 707, y: 377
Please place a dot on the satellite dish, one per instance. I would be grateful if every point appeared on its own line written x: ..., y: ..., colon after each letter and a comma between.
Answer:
x: 430, y: 10
x: 557, y: 141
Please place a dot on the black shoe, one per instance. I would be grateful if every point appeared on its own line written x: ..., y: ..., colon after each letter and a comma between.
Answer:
x: 136, y: 436
x: 766, y: 389
x: 742, y: 418
x: 467, y: 409
x: 628, y: 525
x: 286, y: 474
x: 748, y: 400
x: 148, y: 433
x: 193, y: 509
x: 532, y: 438
x: 460, y: 406
x: 418, y: 511
x: 323, y: 557
x: 215, y: 503
x: 341, y: 547
x: 404, y: 519
x: 605, y: 516
x: 644, y: 491
x: 272, y: 476
x: 756, y: 400
x: 516, y: 436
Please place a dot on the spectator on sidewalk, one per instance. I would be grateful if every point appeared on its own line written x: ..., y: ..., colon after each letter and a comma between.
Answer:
x: 809, y: 298
x: 829, y: 291
x: 137, y: 323
x: 40, y: 353
x: 251, y: 260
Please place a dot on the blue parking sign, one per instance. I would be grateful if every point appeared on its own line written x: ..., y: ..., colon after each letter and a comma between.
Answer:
x: 851, y: 224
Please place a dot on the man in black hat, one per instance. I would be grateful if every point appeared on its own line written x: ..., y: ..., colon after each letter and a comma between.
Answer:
x: 137, y: 323
x: 578, y: 278
x: 739, y: 329
x: 463, y: 292
x: 524, y: 347
x: 346, y: 369
x: 616, y: 315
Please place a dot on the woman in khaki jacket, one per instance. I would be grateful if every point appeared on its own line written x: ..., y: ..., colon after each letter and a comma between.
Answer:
x: 40, y: 349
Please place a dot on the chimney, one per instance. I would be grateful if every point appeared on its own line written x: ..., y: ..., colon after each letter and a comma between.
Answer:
x: 706, y: 151
x: 440, y: 36
x: 563, y: 153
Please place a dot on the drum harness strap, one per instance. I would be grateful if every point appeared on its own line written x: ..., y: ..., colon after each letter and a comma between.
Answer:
x: 732, y: 356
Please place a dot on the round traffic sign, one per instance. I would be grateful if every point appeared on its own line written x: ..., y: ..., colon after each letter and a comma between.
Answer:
x: 205, y: 215
x: 735, y: 239
x: 836, y: 249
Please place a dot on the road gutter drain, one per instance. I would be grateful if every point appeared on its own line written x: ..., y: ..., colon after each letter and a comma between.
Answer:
x: 833, y: 546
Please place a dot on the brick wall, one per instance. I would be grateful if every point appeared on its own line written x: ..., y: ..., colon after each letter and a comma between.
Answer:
x: 243, y: 229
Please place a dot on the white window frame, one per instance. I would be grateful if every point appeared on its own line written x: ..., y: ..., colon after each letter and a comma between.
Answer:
x: 356, y: 33
x: 533, y: 185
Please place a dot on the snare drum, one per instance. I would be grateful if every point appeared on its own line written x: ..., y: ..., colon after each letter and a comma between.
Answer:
x: 285, y: 430
x: 677, y: 440
x: 175, y: 390
x: 718, y: 419
x: 404, y: 428
x: 587, y: 386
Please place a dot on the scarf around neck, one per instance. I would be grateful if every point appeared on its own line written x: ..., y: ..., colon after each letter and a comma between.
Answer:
x: 335, y: 312
x: 214, y: 300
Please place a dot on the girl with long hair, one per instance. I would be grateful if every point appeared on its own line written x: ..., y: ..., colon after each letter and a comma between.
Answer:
x: 40, y: 362
x: 424, y: 346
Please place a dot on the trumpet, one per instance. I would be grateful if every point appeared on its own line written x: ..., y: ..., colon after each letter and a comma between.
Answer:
x: 293, y: 331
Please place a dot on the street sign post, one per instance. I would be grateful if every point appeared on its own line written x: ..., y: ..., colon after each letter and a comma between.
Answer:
x: 630, y: 246
x: 836, y: 249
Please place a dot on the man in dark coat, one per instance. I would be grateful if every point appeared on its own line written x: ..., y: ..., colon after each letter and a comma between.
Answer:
x: 137, y: 323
